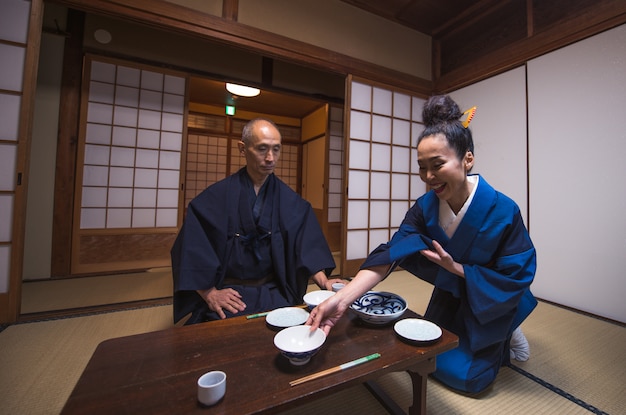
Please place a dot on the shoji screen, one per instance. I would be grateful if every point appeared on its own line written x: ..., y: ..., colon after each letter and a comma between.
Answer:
x: 20, y: 31
x: 129, y: 166
x: 383, y: 177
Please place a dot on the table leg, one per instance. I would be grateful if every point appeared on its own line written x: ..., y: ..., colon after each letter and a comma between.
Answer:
x: 419, y: 377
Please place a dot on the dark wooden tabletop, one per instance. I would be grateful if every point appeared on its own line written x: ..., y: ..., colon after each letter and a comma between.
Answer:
x: 156, y: 372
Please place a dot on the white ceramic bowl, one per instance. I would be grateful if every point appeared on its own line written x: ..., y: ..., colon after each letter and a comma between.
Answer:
x: 314, y: 298
x: 299, y: 344
x: 379, y: 307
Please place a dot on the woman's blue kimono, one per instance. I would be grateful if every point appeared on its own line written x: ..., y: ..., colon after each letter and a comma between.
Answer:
x: 483, y: 308
x: 232, y: 238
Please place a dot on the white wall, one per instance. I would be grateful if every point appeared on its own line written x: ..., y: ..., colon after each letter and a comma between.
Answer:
x: 576, y: 165
x: 499, y: 132
x: 577, y: 126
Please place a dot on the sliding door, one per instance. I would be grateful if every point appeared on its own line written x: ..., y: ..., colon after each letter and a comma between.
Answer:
x: 128, y: 172
x: 20, y: 34
x: 382, y: 174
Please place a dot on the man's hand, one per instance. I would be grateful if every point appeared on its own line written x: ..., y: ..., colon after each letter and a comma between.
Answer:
x: 227, y: 299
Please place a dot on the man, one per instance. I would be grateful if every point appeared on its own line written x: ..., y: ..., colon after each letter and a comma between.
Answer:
x: 249, y: 243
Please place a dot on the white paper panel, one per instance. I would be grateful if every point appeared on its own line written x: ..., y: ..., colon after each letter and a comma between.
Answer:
x: 98, y: 155
x: 144, y: 198
x: 382, y: 101
x: 167, y: 198
x: 377, y: 237
x: 98, y: 134
x: 356, y: 245
x: 334, y: 200
x: 8, y: 158
x: 398, y: 211
x: 169, y: 160
x: 6, y: 217
x: 127, y: 96
x: 119, y: 218
x: 416, y: 109
x: 101, y: 92
x: 100, y: 113
x: 401, y: 159
x: 381, y: 157
x: 360, y: 125
x: 171, y: 141
x: 334, y: 157
x: 120, y: 197
x: 144, y: 218
x: 401, y: 106
x: 358, y: 184
x: 9, y: 116
x: 361, y: 97
x: 174, y: 85
x: 147, y: 158
x: 148, y: 138
x: 335, y: 171
x: 379, y: 214
x: 334, y: 214
x: 168, y: 179
x: 359, y: 212
x: 380, y: 185
x: 401, y: 133
x: 418, y: 187
x: 121, y: 156
x: 149, y: 119
x: 334, y: 186
x: 121, y: 177
x: 146, y: 178
x: 14, y: 15
x: 173, y: 103
x: 5, y: 266
x: 124, y: 136
x: 12, y: 67
x: 128, y: 76
x: 400, y: 186
x: 172, y: 122
x: 359, y: 155
x: 104, y: 72
x: 152, y: 80
x: 167, y: 217
x: 151, y: 100
x: 381, y: 129
x: 92, y: 218
x: 95, y: 176
x: 94, y: 196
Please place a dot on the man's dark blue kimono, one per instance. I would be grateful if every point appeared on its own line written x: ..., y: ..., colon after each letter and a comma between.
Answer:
x: 264, y: 246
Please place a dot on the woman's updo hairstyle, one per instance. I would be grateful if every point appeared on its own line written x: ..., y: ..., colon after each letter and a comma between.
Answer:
x: 441, y: 115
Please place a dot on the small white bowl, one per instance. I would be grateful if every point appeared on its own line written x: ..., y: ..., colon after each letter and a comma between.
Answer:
x: 299, y: 343
x: 315, y: 298
x: 379, y: 307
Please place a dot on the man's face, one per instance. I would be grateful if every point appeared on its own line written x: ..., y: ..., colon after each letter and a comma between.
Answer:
x: 262, y: 152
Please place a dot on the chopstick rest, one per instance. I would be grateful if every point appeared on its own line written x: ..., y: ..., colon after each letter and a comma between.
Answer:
x: 335, y: 369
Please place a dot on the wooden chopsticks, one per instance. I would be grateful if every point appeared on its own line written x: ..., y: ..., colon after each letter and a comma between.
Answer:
x: 335, y: 369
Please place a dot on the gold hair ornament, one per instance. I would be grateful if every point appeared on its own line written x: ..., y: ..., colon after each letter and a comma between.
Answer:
x: 470, y: 114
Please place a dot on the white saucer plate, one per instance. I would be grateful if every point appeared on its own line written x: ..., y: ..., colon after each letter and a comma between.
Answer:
x: 417, y: 330
x: 287, y: 317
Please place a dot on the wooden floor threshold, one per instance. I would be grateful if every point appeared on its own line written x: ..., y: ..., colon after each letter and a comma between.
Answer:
x: 81, y: 311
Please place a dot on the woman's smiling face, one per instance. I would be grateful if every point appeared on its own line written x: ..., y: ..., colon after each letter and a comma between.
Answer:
x: 441, y: 169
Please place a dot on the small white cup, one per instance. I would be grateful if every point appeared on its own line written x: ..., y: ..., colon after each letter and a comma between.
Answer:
x: 338, y: 286
x: 211, y: 387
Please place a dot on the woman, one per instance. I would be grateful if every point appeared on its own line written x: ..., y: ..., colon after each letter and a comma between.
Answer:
x: 470, y: 242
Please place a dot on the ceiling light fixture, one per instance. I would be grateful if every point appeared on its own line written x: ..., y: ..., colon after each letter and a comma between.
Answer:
x: 242, y: 91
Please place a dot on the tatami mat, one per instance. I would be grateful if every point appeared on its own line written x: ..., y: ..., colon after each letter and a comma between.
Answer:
x: 61, y: 294
x: 580, y: 356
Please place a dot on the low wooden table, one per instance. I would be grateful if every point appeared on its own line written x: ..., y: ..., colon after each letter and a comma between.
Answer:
x: 156, y: 373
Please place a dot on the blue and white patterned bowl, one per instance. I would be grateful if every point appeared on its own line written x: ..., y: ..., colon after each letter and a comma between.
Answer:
x: 379, y: 307
x: 299, y: 344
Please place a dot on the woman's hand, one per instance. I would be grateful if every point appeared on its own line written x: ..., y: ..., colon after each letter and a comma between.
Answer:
x: 442, y: 258
x: 326, y: 314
